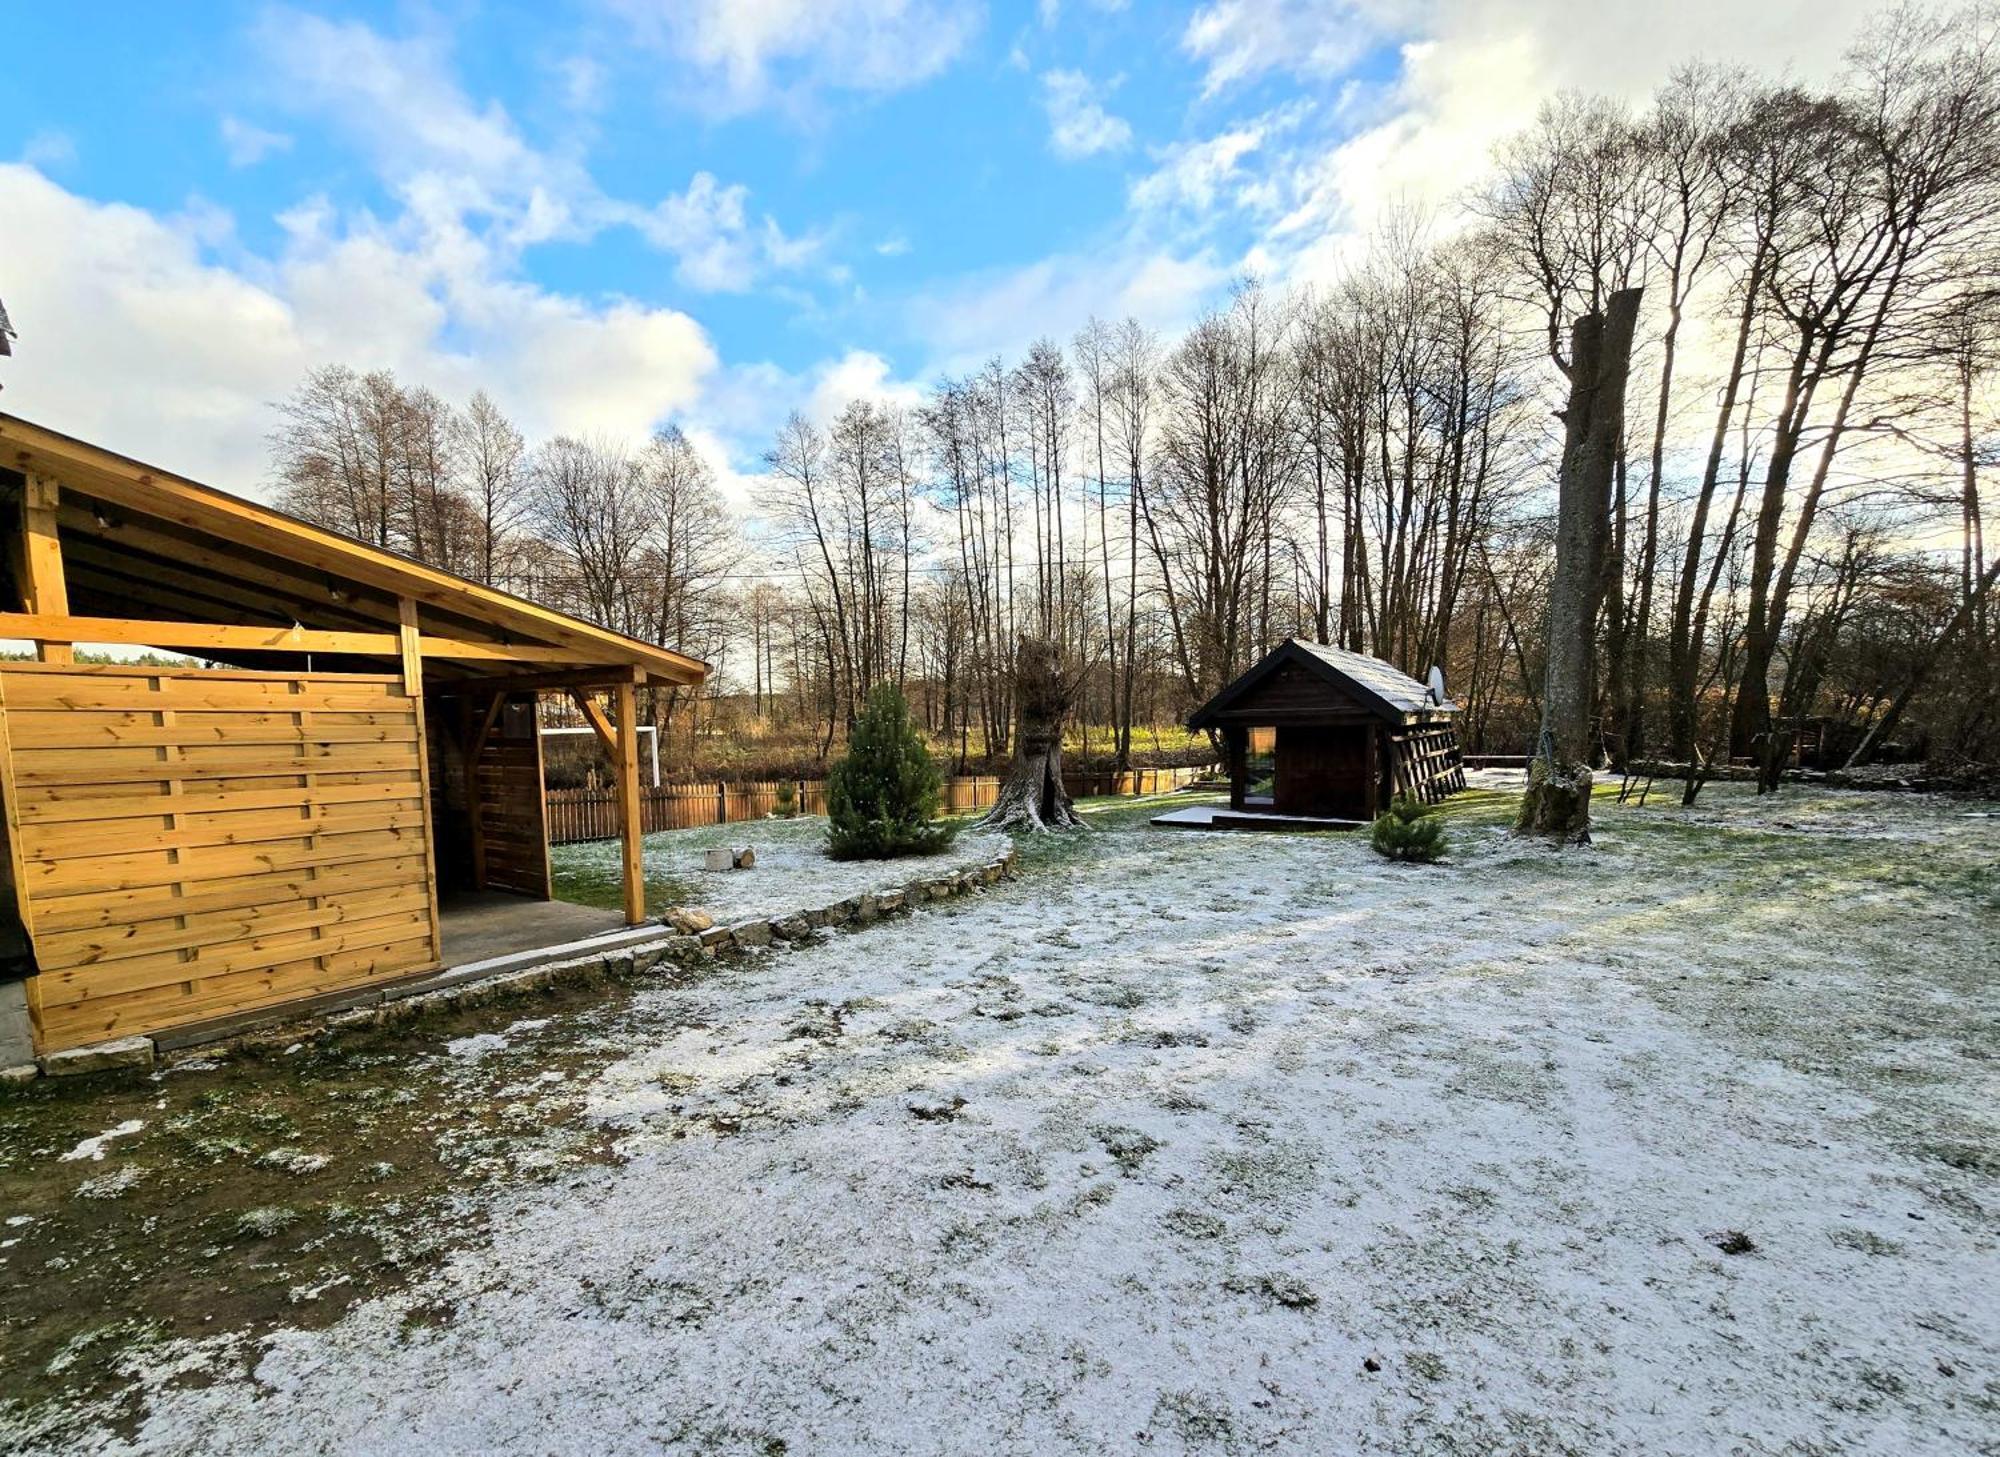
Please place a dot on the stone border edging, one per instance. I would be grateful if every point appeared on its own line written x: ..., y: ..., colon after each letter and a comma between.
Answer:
x: 386, y: 1008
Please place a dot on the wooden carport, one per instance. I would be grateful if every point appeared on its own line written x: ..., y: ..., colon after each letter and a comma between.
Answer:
x: 187, y: 843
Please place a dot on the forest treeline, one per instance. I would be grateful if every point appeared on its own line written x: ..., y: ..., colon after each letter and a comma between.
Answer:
x: 1796, y: 531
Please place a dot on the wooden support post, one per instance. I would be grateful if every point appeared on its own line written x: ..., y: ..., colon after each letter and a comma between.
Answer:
x: 43, y: 587
x: 1374, y: 772
x: 1236, y: 741
x: 628, y: 805
x: 413, y: 685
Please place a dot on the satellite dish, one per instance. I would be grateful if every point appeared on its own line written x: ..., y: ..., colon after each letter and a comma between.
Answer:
x: 1437, y: 684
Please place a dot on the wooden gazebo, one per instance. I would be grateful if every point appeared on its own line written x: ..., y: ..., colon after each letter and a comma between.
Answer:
x: 189, y: 843
x: 1350, y: 731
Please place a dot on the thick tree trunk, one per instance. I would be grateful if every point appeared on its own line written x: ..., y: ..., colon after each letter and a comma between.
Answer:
x: 1033, y: 797
x: 1557, y: 804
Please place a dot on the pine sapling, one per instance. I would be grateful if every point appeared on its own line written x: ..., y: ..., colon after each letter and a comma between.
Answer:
x: 882, y: 798
x: 1409, y: 830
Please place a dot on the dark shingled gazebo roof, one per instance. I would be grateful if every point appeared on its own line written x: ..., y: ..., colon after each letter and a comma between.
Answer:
x: 1383, y: 689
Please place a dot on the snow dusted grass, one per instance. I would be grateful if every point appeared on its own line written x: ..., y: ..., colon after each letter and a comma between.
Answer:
x: 1182, y: 1142
x: 792, y: 870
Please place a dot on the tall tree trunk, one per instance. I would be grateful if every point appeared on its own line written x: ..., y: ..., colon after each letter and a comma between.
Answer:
x: 1684, y: 645
x: 1557, y: 803
x: 1033, y: 797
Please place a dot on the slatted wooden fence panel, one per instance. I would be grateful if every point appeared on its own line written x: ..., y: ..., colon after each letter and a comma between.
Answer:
x: 592, y: 814
x: 196, y: 843
x: 1426, y: 762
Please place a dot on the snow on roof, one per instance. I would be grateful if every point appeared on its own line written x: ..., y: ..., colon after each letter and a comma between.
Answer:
x: 1394, y: 687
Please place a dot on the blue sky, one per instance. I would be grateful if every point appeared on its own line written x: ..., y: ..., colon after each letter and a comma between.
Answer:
x: 612, y: 213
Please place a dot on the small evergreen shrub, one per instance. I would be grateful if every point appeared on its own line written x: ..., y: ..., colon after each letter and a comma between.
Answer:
x: 787, y: 800
x: 882, y: 798
x: 1409, y: 830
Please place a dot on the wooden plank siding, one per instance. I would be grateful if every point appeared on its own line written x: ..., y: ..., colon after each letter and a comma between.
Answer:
x: 510, y: 804
x: 193, y: 843
x: 1294, y: 695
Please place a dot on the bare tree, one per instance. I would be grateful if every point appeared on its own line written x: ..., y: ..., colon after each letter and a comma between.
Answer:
x: 491, y: 453
x: 1557, y: 804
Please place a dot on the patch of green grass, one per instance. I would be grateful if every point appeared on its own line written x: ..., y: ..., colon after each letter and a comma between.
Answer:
x: 587, y: 885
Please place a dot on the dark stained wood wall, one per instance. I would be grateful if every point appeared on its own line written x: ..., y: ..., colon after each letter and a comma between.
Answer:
x: 511, y: 831
x: 1293, y: 694
x: 1323, y: 771
x: 490, y: 817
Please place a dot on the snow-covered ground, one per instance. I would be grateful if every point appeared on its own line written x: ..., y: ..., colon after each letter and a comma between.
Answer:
x: 1685, y: 1143
x: 792, y: 870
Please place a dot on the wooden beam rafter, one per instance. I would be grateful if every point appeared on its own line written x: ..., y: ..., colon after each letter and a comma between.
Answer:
x: 555, y: 680
x: 148, y: 632
x: 162, y: 496
x: 594, y: 716
x: 43, y: 587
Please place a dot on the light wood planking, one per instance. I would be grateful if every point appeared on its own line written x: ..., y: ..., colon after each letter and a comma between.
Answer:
x: 149, y: 1009
x: 202, y: 843
x: 630, y: 843
x: 413, y: 685
x: 225, y: 519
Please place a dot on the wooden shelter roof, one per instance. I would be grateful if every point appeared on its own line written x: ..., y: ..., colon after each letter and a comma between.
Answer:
x: 1352, y: 679
x: 227, y: 579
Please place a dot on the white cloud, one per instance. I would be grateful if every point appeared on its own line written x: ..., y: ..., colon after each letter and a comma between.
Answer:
x: 467, y: 174
x: 247, y: 145
x: 582, y: 80
x: 399, y: 97
x: 1309, y: 183
x: 1199, y: 176
x: 50, y: 147
x: 859, y: 374
x: 964, y: 322
x: 1474, y: 72
x: 1078, y: 125
x: 744, y: 404
x: 750, y: 52
x: 1241, y: 39
x: 1050, y: 11
x: 719, y: 247
x: 134, y: 338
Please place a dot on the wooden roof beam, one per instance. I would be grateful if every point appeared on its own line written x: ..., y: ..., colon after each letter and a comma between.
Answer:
x: 123, y: 535
x: 92, y: 560
x: 147, y: 632
x: 159, y: 494
x: 555, y: 681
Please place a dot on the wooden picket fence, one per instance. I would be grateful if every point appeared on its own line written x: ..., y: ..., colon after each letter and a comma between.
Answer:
x: 592, y: 814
